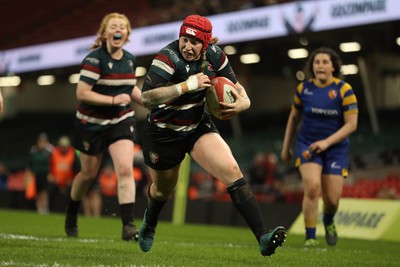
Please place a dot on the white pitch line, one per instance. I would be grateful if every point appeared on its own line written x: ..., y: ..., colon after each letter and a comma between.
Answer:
x: 56, y: 264
x: 56, y: 239
x: 60, y: 239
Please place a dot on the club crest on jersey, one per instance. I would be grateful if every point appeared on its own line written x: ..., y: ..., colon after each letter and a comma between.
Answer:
x: 332, y: 94
x: 207, y: 66
x: 110, y: 65
x: 191, y: 31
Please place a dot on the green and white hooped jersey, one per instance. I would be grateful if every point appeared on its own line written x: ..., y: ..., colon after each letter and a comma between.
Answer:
x: 183, y: 114
x: 108, y: 77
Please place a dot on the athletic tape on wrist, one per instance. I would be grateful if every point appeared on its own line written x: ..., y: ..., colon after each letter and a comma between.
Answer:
x: 178, y: 88
x: 192, y: 83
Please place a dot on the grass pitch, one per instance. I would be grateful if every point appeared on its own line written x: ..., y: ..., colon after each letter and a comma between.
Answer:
x: 29, y: 239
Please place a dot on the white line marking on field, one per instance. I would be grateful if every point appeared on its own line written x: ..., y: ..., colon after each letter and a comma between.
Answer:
x: 55, y: 264
x: 60, y: 239
x: 22, y: 264
x: 56, y: 239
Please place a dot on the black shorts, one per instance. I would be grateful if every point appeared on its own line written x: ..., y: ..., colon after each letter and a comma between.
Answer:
x: 96, y: 142
x: 41, y: 182
x: 163, y: 149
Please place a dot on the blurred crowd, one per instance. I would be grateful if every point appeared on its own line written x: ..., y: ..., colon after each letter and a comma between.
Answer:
x: 50, y: 170
x: 273, y: 181
x: 173, y: 10
x: 69, y: 16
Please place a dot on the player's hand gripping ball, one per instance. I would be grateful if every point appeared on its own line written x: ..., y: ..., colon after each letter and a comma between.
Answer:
x: 220, y: 91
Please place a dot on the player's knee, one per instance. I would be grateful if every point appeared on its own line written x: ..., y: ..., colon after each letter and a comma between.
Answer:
x: 331, y: 206
x: 88, y: 175
x: 234, y: 171
x: 161, y: 195
x: 313, y: 192
x: 124, y: 171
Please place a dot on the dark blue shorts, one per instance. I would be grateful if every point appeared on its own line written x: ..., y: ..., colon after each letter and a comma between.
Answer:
x: 334, y: 160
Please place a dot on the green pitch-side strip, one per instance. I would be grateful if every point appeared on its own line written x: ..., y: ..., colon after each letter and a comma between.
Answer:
x: 179, y: 212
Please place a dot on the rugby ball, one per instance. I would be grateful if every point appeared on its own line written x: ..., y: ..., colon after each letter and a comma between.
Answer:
x: 219, y: 91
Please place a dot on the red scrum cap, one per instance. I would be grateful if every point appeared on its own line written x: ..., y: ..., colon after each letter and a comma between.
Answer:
x: 198, y: 27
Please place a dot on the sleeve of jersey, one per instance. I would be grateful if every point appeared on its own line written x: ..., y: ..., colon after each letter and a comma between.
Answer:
x: 161, y: 70
x: 90, y: 70
x: 163, y: 65
x: 297, y: 104
x: 349, y: 102
x: 218, y: 58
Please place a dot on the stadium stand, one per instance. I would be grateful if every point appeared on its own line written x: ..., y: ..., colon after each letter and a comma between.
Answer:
x: 59, y: 20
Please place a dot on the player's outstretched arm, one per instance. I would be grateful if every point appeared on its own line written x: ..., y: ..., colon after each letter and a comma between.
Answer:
x: 163, y: 94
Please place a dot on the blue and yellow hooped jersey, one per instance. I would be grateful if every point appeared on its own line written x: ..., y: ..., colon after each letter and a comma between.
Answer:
x: 323, y: 108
